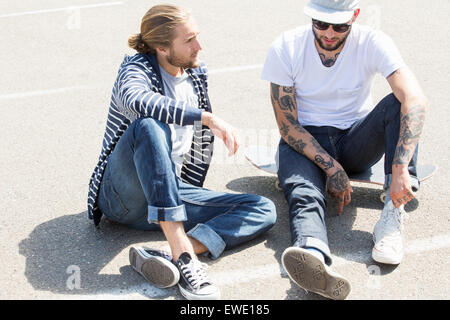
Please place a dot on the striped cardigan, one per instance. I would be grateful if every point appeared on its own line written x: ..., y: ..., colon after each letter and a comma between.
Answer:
x: 138, y: 92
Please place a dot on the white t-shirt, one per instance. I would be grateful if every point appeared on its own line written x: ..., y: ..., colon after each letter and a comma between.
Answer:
x: 181, y: 89
x: 334, y: 96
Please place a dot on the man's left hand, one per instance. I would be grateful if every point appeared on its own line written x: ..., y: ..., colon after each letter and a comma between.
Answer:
x: 400, y: 189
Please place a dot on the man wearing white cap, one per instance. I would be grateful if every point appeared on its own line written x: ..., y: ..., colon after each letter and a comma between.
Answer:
x: 321, y: 75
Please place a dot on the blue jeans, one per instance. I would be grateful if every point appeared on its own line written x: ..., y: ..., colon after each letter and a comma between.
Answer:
x: 140, y: 188
x: 356, y: 149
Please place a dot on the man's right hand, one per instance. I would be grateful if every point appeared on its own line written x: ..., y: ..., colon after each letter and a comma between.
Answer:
x: 339, y: 187
x: 223, y: 130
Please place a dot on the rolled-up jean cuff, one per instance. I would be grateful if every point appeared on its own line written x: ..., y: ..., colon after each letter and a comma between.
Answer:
x: 174, y: 214
x: 315, y: 243
x: 209, y: 238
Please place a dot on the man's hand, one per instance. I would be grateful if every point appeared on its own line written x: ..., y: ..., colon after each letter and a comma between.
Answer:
x: 400, y: 190
x: 223, y: 130
x: 339, y: 187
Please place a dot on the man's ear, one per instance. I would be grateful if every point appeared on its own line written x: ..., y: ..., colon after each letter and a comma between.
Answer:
x: 356, y: 14
x: 161, y: 50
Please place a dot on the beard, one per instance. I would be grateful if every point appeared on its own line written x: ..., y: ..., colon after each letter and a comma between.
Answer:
x: 183, y: 62
x: 328, y: 48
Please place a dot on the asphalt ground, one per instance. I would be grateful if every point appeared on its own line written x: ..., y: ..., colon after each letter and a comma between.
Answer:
x: 58, y: 62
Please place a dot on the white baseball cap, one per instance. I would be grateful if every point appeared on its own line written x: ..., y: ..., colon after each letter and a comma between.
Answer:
x: 331, y: 11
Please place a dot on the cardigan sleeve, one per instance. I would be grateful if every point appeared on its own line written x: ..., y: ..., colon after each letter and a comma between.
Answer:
x: 136, y: 97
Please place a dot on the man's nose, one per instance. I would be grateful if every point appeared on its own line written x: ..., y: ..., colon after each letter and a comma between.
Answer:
x: 329, y: 33
x: 198, y: 46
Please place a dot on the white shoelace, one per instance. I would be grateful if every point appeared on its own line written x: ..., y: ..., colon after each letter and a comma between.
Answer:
x: 195, y: 273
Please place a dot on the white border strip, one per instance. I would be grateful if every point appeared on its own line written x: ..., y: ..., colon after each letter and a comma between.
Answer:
x: 236, y: 69
x: 61, y: 90
x: 256, y: 273
x: 38, y: 93
x: 96, y: 5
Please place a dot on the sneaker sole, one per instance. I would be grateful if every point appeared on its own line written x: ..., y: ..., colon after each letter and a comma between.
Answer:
x: 191, y: 296
x: 156, y: 270
x: 310, y: 273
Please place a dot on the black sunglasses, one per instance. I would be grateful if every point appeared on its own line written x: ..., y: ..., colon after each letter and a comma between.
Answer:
x: 341, y: 28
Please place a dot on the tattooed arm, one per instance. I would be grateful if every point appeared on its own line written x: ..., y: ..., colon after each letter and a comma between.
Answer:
x: 285, y: 108
x: 414, y: 105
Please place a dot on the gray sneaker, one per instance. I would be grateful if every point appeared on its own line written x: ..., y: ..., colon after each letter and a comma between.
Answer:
x: 312, y: 274
x: 155, y: 266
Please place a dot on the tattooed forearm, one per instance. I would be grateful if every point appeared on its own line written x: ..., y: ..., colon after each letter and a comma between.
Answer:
x: 402, y: 155
x: 284, y: 129
x: 293, y: 121
x: 298, y: 145
x: 326, y: 164
x: 285, y: 108
x: 411, y: 125
x: 275, y: 92
x: 287, y: 103
x: 275, y: 110
x: 317, y: 146
x: 322, y: 159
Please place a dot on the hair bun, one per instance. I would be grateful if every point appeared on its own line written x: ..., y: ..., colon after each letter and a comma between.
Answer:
x: 137, y: 43
x: 141, y: 42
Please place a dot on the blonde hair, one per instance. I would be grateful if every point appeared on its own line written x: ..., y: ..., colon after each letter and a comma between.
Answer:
x: 157, y: 28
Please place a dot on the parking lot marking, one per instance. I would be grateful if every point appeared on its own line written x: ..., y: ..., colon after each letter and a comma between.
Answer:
x: 96, y: 5
x: 257, y: 273
x: 428, y: 244
x: 236, y: 69
x: 39, y: 93
x: 61, y: 90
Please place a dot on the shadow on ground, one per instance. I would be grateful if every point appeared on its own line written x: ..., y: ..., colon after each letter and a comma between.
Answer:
x: 57, y: 249
x: 54, y: 249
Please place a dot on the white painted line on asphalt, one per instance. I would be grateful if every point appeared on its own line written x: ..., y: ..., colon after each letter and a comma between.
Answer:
x: 275, y: 269
x: 139, y: 292
x: 61, y: 90
x: 96, y: 5
x: 429, y: 244
x: 258, y: 273
x: 38, y: 93
x: 271, y: 270
x: 236, y: 69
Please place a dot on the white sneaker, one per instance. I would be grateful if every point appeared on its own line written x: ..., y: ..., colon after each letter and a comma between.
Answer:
x: 387, y: 235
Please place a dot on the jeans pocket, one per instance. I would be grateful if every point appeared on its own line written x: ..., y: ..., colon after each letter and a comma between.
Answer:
x: 115, y: 210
